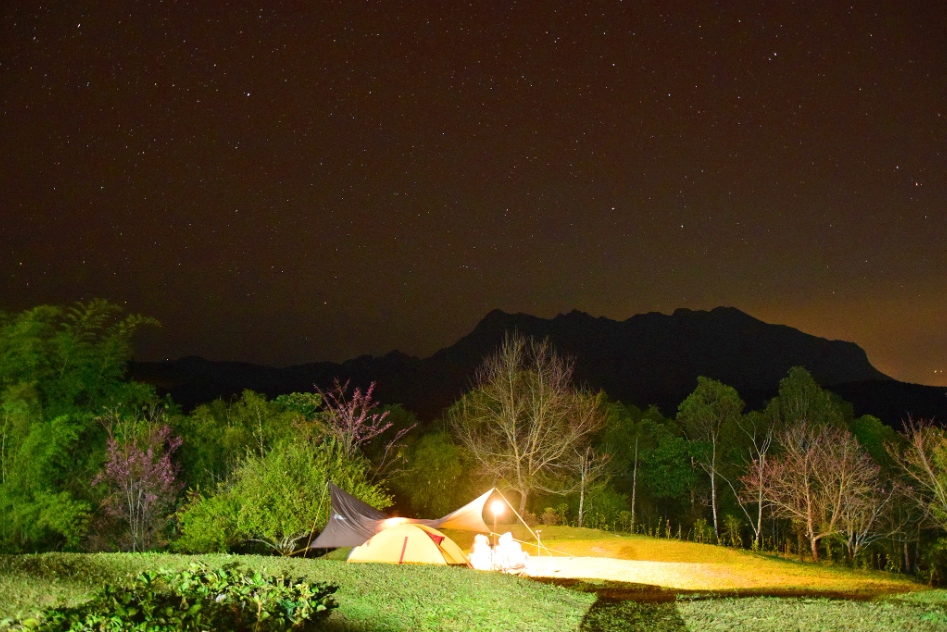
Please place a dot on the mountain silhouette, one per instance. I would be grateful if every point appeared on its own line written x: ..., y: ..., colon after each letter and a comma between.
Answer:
x: 647, y: 359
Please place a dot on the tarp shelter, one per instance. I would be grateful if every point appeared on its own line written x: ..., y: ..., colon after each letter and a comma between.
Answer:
x: 409, y: 544
x: 352, y: 522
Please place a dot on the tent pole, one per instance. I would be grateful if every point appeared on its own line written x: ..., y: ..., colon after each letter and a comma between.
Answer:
x: 535, y: 534
x: 313, y: 528
x: 517, y: 515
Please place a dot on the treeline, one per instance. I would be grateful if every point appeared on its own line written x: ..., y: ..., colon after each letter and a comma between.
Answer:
x: 92, y: 461
x: 803, y: 476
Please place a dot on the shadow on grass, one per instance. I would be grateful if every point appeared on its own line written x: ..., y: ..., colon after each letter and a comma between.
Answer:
x: 607, y: 615
x: 648, y: 593
x: 630, y: 607
x: 60, y: 568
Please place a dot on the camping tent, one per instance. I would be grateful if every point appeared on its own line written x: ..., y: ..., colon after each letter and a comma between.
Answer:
x: 352, y: 521
x: 408, y: 543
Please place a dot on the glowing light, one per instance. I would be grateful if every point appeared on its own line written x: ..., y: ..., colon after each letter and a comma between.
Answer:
x: 507, y: 556
x: 497, y: 507
x: 393, y: 522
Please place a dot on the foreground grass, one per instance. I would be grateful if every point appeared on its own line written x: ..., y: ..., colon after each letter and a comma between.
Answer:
x: 389, y: 597
x: 764, y: 614
x: 371, y: 596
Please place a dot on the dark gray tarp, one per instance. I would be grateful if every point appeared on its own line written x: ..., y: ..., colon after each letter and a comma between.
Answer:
x: 352, y: 522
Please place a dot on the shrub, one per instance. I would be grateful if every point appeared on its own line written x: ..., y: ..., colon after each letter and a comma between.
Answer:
x: 550, y: 517
x: 208, y: 523
x: 197, y: 599
x: 276, y: 499
x: 701, y: 531
x: 732, y: 525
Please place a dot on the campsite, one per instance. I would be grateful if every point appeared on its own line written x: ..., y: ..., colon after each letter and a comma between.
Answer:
x: 559, y: 508
x: 383, y: 597
x: 497, y: 316
x: 403, y: 574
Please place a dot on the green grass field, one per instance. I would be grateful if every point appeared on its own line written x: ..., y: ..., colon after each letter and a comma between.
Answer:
x: 386, y: 597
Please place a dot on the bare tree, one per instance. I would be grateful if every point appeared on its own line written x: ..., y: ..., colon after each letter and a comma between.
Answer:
x: 759, y: 430
x: 590, y: 466
x: 870, y: 518
x: 821, y: 476
x: 524, y: 421
x: 924, y: 460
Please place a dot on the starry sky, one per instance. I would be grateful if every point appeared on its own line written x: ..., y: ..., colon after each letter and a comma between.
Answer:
x: 288, y: 182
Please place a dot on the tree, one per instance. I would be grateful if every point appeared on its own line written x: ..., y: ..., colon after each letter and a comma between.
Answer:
x: 524, y: 420
x: 276, y: 499
x: 800, y: 397
x: 759, y: 430
x: 75, y: 357
x: 59, y: 368
x: 870, y: 517
x: 665, y: 467
x: 355, y: 421
x: 875, y: 436
x: 590, y: 467
x: 821, y: 476
x: 220, y: 433
x: 923, y: 459
x: 704, y: 415
x: 626, y: 428
x: 438, y: 476
x: 138, y: 475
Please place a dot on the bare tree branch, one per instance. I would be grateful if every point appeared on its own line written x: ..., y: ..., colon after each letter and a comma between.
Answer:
x: 822, y: 479
x: 523, y: 421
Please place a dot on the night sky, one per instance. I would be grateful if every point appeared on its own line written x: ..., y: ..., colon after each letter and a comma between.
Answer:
x: 291, y: 182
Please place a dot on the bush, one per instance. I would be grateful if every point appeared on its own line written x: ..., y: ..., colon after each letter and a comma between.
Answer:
x: 701, y: 531
x: 197, y: 599
x: 276, y: 499
x: 732, y: 526
x: 603, y: 506
x: 549, y: 517
x: 208, y: 523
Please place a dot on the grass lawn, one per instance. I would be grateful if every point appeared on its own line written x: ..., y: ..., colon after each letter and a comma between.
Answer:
x: 389, y: 597
x: 374, y: 597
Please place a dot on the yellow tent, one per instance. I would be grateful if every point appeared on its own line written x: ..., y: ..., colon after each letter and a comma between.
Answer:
x: 409, y: 544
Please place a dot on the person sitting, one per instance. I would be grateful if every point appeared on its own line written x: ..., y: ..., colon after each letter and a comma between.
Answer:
x: 509, y: 556
x: 481, y: 555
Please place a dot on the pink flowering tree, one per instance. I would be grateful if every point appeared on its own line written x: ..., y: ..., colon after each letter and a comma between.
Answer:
x: 139, y: 478
x: 354, y: 421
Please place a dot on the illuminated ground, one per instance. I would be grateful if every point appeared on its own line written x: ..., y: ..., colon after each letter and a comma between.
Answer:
x: 656, y: 565
x: 680, y: 576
